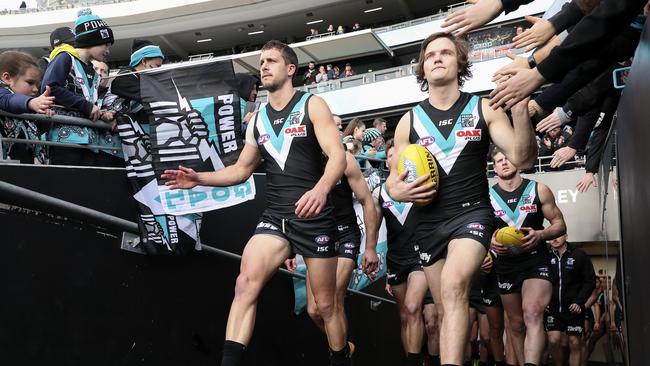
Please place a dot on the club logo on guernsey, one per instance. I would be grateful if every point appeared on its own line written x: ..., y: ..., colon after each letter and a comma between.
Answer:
x: 426, y: 141
x: 295, y: 118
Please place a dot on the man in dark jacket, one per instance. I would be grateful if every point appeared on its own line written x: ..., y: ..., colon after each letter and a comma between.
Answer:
x: 574, y: 281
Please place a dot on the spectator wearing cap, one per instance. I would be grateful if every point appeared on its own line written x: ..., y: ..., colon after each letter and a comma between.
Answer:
x: 348, y: 71
x: 75, y: 85
x: 373, y: 144
x: 60, y: 39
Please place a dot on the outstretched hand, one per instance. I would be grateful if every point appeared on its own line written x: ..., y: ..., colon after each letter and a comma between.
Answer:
x: 540, y: 33
x: 183, y: 178
x: 43, y: 103
x: 479, y: 13
x: 512, y: 91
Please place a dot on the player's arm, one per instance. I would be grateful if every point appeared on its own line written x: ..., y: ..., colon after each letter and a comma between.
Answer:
x: 396, y: 187
x: 516, y: 140
x: 186, y: 178
x: 551, y: 213
x: 327, y: 134
x: 375, y: 201
x: 359, y: 186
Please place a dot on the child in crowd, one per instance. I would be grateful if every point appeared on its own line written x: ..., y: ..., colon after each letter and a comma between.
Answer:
x: 75, y: 84
x: 19, y: 78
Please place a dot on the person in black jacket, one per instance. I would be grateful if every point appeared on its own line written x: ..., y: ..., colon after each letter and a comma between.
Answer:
x: 575, y: 281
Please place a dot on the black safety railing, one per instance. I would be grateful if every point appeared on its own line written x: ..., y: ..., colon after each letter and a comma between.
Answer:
x: 42, y: 119
x: 79, y: 212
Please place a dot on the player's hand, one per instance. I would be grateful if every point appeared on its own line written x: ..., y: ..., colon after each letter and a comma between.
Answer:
x: 540, y: 33
x: 291, y: 265
x: 95, y: 113
x: 531, y: 240
x: 480, y: 12
x: 183, y: 178
x: 497, y: 247
x: 534, y: 108
x: 562, y: 155
x: 550, y: 122
x: 521, y: 107
x: 43, y: 103
x: 370, y: 262
x: 487, y: 264
x: 588, y: 180
x: 413, y: 192
x: 389, y: 289
x: 311, y: 203
x: 575, y: 309
x: 521, y: 85
x: 504, y: 73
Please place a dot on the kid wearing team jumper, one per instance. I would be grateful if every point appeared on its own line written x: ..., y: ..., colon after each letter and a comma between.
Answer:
x: 19, y: 77
x: 75, y: 84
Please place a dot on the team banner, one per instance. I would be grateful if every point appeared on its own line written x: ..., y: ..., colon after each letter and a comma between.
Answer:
x: 194, y: 117
x: 359, y: 279
x: 198, y: 127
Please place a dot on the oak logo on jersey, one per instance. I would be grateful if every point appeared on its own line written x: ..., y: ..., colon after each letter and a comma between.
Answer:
x: 426, y: 141
x: 532, y: 208
x: 296, y: 131
x: 469, y: 134
x: 263, y: 139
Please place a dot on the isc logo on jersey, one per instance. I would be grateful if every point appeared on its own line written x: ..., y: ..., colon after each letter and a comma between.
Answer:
x: 469, y: 134
x: 528, y: 208
x: 263, y: 139
x: 296, y: 131
x: 426, y: 141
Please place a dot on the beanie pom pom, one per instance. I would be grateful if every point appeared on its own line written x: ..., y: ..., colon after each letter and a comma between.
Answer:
x: 85, y: 11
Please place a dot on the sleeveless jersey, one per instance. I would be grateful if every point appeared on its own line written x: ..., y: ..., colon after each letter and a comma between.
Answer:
x: 459, y: 140
x: 400, y: 227
x: 341, y: 198
x: 519, y: 208
x: 293, y: 158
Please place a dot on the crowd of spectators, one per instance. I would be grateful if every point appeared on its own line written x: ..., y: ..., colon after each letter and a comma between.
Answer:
x: 325, y: 73
x: 331, y: 31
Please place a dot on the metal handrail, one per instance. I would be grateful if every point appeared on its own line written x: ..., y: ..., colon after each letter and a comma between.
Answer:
x: 60, y: 119
x: 80, y: 212
x: 56, y: 143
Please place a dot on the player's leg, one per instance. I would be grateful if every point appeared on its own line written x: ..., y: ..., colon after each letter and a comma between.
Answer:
x: 464, y: 257
x: 322, y: 279
x: 536, y: 294
x: 510, y: 354
x: 484, y: 339
x: 575, y: 350
x: 472, y: 331
x: 344, y: 269
x: 312, y: 309
x: 555, y: 346
x: 399, y: 292
x: 262, y: 257
x: 494, y: 315
x: 416, y: 288
x: 432, y: 327
x: 516, y: 329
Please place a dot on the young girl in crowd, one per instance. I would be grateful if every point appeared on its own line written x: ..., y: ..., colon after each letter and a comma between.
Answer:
x: 75, y: 84
x: 19, y: 78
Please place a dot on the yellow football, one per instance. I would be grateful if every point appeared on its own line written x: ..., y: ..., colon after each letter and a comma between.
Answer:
x: 509, y: 236
x: 417, y: 161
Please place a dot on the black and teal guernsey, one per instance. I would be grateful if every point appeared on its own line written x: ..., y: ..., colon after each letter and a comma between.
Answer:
x: 459, y: 140
x: 293, y: 158
x: 341, y: 198
x: 400, y: 229
x: 519, y: 208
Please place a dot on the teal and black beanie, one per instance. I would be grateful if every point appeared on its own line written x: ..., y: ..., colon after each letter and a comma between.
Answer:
x: 90, y: 30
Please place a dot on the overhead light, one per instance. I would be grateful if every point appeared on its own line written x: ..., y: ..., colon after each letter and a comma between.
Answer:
x: 256, y: 32
x: 203, y: 40
x: 373, y: 9
x: 315, y: 22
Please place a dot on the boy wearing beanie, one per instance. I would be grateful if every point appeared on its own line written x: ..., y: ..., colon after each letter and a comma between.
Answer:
x: 75, y: 84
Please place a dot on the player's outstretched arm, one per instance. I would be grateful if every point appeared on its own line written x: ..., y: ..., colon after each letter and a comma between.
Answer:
x: 517, y: 141
x: 396, y: 187
x: 370, y: 218
x: 313, y: 201
x: 551, y: 213
x: 186, y: 178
